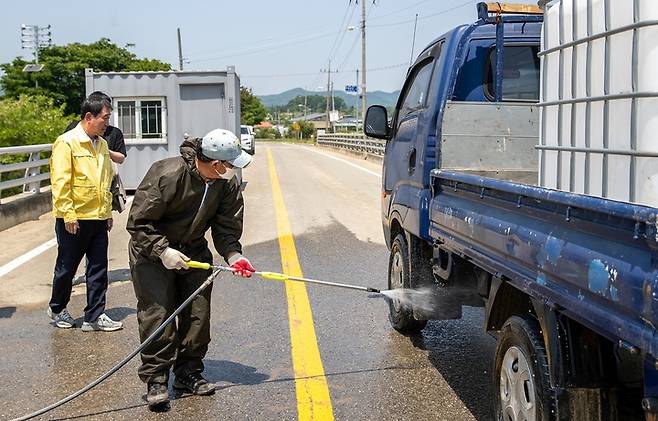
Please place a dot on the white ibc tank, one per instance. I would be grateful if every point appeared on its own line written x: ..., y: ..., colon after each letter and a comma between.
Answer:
x: 590, y: 144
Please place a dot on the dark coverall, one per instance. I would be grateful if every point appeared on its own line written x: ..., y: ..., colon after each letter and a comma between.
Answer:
x: 167, y: 211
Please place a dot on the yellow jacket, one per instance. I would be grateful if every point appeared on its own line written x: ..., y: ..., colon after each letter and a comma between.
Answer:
x: 80, y: 177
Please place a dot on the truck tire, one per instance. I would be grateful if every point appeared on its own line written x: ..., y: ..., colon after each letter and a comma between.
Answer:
x: 521, y: 379
x: 401, y: 315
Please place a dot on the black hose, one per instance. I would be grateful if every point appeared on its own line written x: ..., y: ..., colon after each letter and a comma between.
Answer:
x: 126, y: 359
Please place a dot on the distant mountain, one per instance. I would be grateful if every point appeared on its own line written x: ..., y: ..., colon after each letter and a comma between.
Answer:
x: 387, y: 99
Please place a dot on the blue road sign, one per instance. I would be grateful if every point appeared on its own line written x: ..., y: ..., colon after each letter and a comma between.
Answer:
x: 351, y: 88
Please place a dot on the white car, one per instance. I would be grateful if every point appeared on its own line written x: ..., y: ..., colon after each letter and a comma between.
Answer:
x: 247, y: 139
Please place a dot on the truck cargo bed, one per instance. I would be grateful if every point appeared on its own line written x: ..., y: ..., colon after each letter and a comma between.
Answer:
x: 596, y: 258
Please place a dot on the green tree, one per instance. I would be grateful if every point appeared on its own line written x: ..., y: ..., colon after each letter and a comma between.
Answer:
x: 301, y: 129
x: 267, y: 133
x: 30, y: 120
x: 62, y: 77
x: 314, y: 104
x: 252, y: 110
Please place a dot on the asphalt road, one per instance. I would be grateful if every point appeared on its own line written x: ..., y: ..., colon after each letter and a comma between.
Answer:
x: 371, y: 371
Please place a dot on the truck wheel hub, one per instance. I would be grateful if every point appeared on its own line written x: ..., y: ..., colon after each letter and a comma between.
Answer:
x: 517, y: 388
x: 397, y: 276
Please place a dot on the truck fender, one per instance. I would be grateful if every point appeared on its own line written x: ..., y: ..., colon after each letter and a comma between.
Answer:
x: 395, y: 225
x: 504, y: 301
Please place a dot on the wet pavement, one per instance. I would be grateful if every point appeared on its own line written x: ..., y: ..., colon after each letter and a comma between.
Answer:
x: 373, y: 372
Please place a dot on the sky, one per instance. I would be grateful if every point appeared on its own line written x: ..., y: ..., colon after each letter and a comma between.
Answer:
x: 275, y: 45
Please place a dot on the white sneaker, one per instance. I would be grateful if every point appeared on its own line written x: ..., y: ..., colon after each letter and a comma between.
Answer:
x: 63, y: 319
x: 103, y: 323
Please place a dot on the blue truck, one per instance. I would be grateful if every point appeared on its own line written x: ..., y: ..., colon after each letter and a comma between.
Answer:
x: 569, y: 282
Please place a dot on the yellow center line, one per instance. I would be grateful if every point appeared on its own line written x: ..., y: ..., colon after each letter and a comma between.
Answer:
x: 313, y: 400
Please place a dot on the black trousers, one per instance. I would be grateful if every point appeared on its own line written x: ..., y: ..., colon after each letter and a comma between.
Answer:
x: 91, y: 240
x: 184, y: 342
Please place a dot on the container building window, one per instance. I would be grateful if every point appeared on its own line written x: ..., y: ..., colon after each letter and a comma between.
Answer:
x: 141, y: 119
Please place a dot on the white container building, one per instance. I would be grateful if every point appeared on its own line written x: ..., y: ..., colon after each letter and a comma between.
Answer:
x: 156, y: 109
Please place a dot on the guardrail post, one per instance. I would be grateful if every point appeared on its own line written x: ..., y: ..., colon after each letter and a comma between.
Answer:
x: 30, y: 172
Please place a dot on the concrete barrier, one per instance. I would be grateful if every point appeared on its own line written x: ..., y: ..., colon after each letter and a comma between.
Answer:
x: 24, y: 207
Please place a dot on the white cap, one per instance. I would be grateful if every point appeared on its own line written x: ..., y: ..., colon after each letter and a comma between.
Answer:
x: 223, y: 145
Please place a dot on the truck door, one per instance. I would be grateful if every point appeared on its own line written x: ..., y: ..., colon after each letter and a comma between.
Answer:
x: 401, y: 156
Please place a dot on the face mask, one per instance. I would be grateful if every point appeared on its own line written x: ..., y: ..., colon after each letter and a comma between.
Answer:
x: 229, y: 174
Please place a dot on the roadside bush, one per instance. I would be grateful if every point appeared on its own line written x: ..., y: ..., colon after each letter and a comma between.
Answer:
x: 267, y: 133
x: 301, y: 129
x: 28, y: 120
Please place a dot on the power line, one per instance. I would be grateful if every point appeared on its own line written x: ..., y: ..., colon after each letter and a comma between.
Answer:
x: 203, y: 57
x: 356, y: 39
x: 349, y: 52
x: 296, y: 34
x: 340, y: 36
x: 442, y: 12
x: 395, y: 12
x: 341, y: 32
x: 374, y: 69
x: 337, y: 43
x: 264, y: 48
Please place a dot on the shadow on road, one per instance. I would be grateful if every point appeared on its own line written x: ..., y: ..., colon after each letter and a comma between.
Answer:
x: 120, y: 313
x: 7, y: 312
x: 232, y: 372
x: 464, y: 360
x: 116, y: 275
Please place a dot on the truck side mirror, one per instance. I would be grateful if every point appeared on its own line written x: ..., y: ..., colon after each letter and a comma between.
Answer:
x: 376, y: 124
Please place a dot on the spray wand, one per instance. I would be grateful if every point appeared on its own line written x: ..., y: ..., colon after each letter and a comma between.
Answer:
x: 216, y: 269
x: 274, y: 276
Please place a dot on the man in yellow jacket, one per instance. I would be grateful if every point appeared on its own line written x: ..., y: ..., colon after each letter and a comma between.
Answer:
x: 81, y: 174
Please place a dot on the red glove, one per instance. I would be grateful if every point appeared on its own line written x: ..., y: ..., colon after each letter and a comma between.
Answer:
x: 242, y: 267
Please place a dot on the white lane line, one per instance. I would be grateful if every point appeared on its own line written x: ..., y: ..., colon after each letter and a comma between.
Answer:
x: 20, y: 260
x: 344, y: 161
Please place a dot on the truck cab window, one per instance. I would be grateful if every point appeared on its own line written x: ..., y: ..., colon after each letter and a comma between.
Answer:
x: 520, y: 73
x: 415, y: 97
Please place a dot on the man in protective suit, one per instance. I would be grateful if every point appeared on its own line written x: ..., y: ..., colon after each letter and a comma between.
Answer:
x: 178, y: 200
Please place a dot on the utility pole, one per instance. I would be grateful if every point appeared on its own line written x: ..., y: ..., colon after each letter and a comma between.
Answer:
x: 180, y: 51
x: 328, y: 71
x: 328, y: 87
x: 363, y: 60
x: 356, y: 106
x: 305, y: 103
x: 35, y: 37
x: 333, y: 105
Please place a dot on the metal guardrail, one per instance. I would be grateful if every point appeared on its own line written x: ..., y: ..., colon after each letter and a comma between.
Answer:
x: 31, y: 180
x: 354, y: 142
